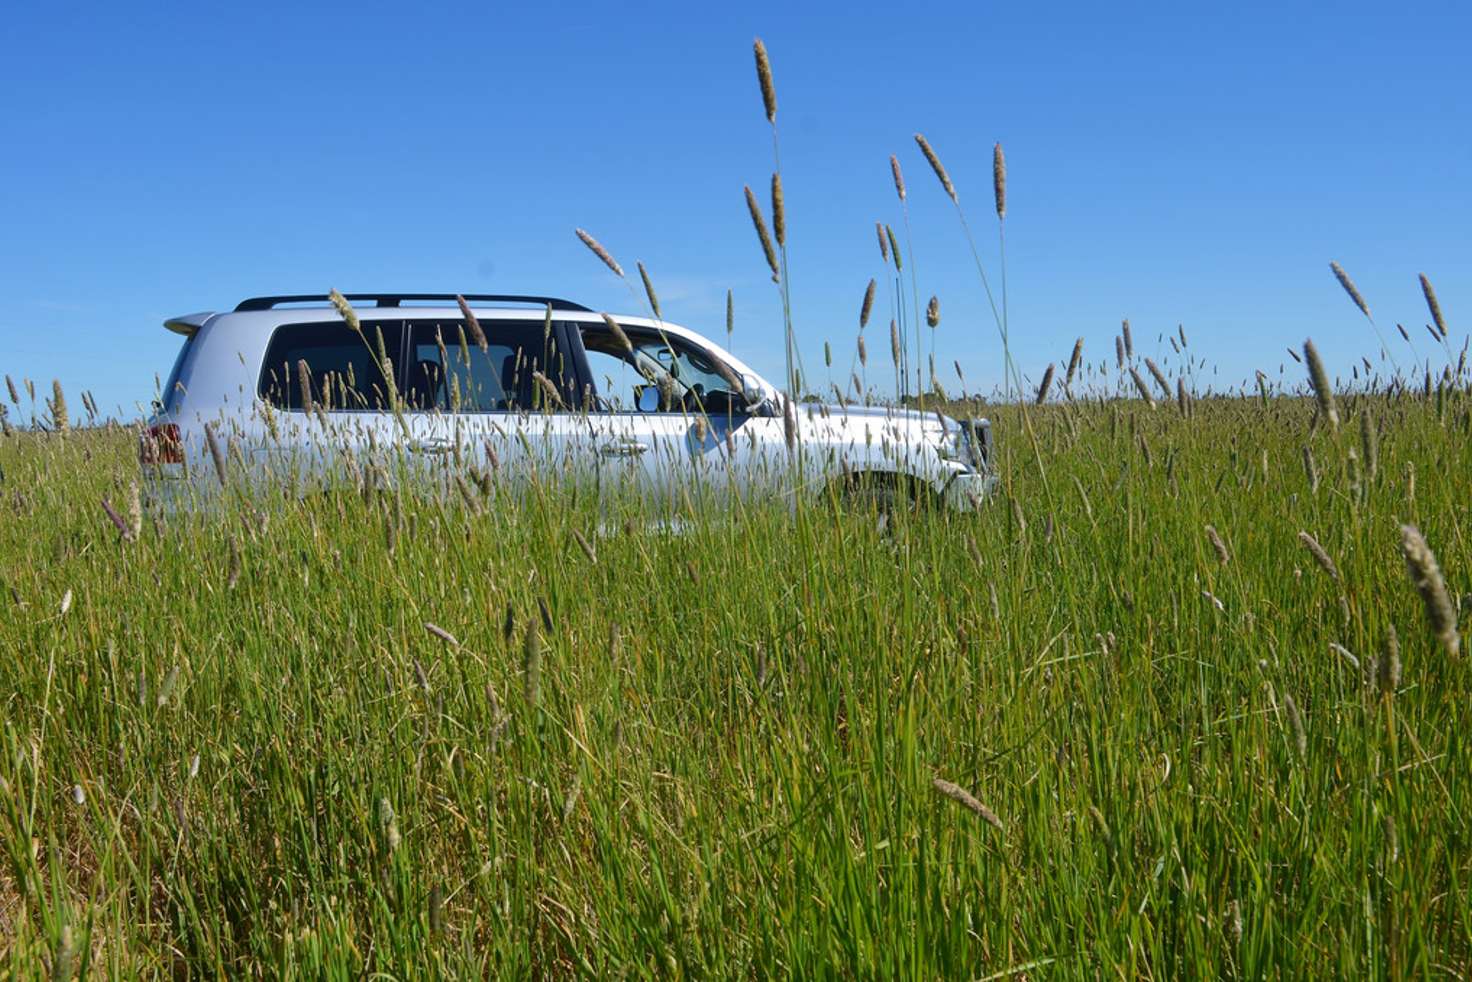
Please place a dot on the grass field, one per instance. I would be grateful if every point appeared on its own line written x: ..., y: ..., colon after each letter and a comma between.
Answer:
x: 232, y: 746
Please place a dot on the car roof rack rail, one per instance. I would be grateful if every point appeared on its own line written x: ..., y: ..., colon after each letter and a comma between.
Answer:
x: 397, y: 299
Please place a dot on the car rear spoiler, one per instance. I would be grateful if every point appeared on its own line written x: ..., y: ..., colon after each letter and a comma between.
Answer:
x: 187, y: 324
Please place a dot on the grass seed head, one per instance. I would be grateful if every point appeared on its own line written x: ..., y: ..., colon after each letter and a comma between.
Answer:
x: 14, y: 395
x: 1320, y: 555
x: 1074, y: 361
x: 937, y: 166
x: 932, y: 312
x: 217, y: 454
x: 779, y: 212
x: 1129, y: 339
x: 1141, y: 387
x: 764, y: 79
x: 868, y: 305
x: 878, y: 231
x: 1388, y: 679
x: 1045, y: 385
x: 1222, y: 555
x: 899, y: 178
x: 967, y: 800
x: 649, y: 289
x: 1349, y: 288
x: 894, y: 341
x: 1433, y: 305
x: 345, y: 310
x: 1319, y: 379
x: 472, y: 324
x: 760, y: 224
x: 597, y: 249
x: 894, y: 249
x: 617, y: 331
x: 59, y: 415
x: 999, y: 180
x: 1425, y: 574
x: 1295, y: 724
x: 531, y: 663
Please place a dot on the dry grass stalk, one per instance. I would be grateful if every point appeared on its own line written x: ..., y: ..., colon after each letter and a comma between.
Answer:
x: 967, y: 800
x: 935, y: 165
x: 1319, y: 379
x: 764, y: 78
x: 932, y: 314
x: 1320, y: 555
x: 345, y: 310
x: 1141, y: 387
x: 999, y: 180
x: 760, y: 224
x: 1349, y: 288
x: 779, y: 212
x: 1045, y: 385
x: 868, y: 305
x: 473, y: 325
x: 649, y: 289
x: 1433, y: 305
x: 863, y: 352
x: 1183, y: 398
x: 1118, y: 352
x: 1222, y: 555
x: 602, y: 253
x: 1129, y: 339
x: 14, y: 395
x: 899, y: 178
x: 444, y: 636
x: 1425, y: 574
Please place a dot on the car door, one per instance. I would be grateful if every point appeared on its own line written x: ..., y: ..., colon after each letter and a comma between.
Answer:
x: 505, y: 412
x: 324, y: 403
x: 670, y: 427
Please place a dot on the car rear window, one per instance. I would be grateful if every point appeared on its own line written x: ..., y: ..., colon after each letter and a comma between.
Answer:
x: 342, y: 366
x: 171, y: 390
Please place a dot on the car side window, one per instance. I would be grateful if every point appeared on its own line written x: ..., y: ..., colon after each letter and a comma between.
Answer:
x: 342, y: 370
x: 660, y: 374
x: 449, y: 372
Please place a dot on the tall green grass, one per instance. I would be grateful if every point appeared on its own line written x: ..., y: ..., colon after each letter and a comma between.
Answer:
x: 727, y: 763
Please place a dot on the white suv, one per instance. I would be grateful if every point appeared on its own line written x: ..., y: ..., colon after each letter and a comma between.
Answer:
x: 520, y: 387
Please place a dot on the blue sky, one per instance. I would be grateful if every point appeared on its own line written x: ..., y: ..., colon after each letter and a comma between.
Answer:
x: 1171, y: 163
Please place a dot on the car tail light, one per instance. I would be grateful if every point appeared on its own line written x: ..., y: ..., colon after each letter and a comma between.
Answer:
x: 161, y: 445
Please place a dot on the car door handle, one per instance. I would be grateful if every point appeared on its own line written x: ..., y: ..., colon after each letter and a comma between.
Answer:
x: 433, y: 445
x: 628, y: 448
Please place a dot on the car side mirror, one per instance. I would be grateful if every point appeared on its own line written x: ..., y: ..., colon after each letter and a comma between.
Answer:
x: 752, y: 391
